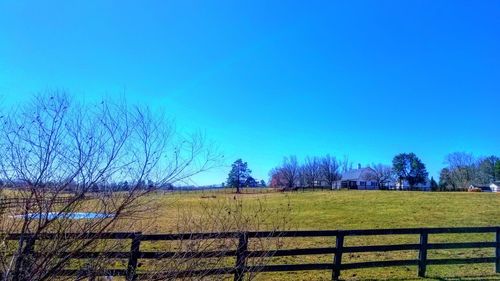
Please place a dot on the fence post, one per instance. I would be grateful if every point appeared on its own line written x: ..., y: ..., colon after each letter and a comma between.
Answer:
x: 422, y: 253
x: 25, y: 256
x: 241, y: 256
x: 131, y: 274
x: 337, y: 259
x: 497, y: 263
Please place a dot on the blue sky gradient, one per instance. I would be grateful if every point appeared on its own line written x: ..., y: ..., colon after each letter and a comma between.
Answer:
x: 266, y: 79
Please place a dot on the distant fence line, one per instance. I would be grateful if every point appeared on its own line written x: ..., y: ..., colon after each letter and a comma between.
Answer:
x: 242, y: 252
x: 12, y: 202
x: 17, y: 202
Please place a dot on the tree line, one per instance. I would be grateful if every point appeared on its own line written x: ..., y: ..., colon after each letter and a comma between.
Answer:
x: 325, y: 171
x: 313, y: 172
x: 464, y: 169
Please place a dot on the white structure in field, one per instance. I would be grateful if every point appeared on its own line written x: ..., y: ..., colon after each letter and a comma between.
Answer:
x: 361, y: 178
x: 405, y: 185
x: 366, y: 179
x: 492, y: 187
x: 495, y: 186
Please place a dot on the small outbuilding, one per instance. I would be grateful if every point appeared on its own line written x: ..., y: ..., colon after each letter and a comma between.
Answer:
x: 492, y: 187
x: 495, y: 186
x: 405, y: 185
x: 479, y: 188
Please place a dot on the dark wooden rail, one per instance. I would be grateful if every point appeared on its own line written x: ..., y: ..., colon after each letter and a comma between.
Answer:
x: 20, y: 202
x: 242, y: 254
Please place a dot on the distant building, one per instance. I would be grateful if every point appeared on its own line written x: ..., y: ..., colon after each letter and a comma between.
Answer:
x: 404, y: 185
x: 361, y: 178
x: 495, y: 186
x: 492, y: 187
x: 479, y: 188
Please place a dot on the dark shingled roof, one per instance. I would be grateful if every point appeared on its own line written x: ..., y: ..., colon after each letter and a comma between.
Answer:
x: 357, y: 174
x: 480, y: 186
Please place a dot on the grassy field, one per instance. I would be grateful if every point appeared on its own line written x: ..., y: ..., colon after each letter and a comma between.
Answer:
x: 353, y: 209
x: 323, y: 210
x: 330, y: 210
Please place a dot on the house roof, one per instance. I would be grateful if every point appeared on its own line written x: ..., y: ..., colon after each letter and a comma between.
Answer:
x: 357, y: 174
x: 479, y: 185
x: 482, y: 187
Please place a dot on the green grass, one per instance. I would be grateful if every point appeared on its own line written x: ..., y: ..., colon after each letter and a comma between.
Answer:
x: 323, y: 210
x: 352, y: 209
x: 331, y: 210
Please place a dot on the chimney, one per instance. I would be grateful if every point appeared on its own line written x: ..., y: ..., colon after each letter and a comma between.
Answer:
x: 359, y: 166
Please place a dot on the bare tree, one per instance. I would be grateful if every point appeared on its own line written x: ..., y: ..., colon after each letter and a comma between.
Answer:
x: 310, y: 172
x: 329, y: 168
x: 276, y: 177
x: 315, y: 171
x: 486, y: 167
x: 290, y: 171
x: 61, y: 157
x: 463, y: 169
x: 219, y: 216
x: 383, y: 175
x: 346, y: 164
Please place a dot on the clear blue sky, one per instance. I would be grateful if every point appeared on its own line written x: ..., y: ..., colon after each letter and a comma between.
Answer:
x: 265, y: 79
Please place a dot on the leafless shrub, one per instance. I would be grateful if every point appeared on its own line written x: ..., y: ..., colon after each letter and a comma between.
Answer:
x: 221, y: 216
x: 60, y: 157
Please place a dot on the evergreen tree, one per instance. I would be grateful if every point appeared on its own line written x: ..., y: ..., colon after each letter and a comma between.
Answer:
x: 434, y: 184
x: 444, y: 180
x: 251, y: 182
x: 408, y: 167
x: 497, y: 171
x: 238, y: 175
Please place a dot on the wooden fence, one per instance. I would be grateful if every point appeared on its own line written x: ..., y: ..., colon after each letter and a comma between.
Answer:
x: 242, y: 253
x: 20, y: 202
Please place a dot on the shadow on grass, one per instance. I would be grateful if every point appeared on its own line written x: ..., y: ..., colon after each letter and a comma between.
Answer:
x: 467, y: 278
x: 461, y: 278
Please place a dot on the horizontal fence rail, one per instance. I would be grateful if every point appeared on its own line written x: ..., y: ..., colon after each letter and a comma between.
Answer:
x: 17, y: 202
x: 20, y: 202
x: 242, y: 252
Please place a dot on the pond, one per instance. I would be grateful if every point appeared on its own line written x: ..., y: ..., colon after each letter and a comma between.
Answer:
x: 72, y: 216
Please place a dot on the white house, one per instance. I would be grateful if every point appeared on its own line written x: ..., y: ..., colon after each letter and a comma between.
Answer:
x: 492, y: 187
x: 361, y: 178
x: 495, y: 186
x: 481, y: 188
x: 405, y: 185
